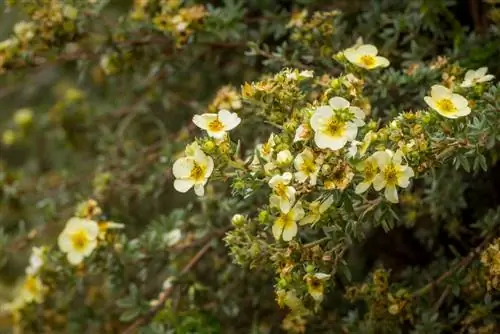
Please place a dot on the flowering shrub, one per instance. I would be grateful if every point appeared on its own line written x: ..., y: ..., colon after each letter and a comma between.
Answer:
x: 206, y: 167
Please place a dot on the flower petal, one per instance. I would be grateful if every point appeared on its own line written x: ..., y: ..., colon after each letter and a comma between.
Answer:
x: 289, y: 230
x: 74, y: 258
x: 199, y: 190
x: 203, y: 120
x: 229, y: 119
x: 367, y: 49
x: 183, y: 185
x: 379, y: 182
x: 182, y: 167
x: 381, y: 61
x: 439, y: 92
x: 362, y: 187
x: 319, y: 116
x: 338, y: 102
x: 391, y: 194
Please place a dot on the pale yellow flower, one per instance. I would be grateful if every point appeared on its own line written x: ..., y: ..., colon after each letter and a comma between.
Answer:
x: 446, y: 103
x: 474, y: 77
x: 33, y: 289
x: 333, y: 131
x: 315, y: 285
x: 365, y: 56
x: 283, y: 194
x: 392, y: 173
x: 369, y: 168
x: 25, y: 31
x: 218, y: 124
x: 285, y: 226
x: 307, y: 167
x: 78, y: 239
x: 316, y: 209
x: 193, y: 171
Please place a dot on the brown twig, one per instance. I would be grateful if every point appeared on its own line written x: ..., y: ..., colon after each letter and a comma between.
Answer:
x: 460, y: 264
x: 167, y: 292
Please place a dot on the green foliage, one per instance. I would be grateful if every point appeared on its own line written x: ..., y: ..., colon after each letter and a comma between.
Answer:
x: 106, y: 107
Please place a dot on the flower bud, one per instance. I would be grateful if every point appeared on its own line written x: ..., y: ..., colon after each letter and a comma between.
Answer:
x: 238, y: 220
x: 284, y: 158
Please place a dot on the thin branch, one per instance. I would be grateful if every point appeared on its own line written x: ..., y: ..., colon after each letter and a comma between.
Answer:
x: 167, y: 292
x: 460, y: 264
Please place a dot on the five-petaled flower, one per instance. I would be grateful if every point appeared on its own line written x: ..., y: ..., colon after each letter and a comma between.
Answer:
x: 332, y: 129
x: 316, y: 209
x: 193, y: 171
x: 365, y: 56
x: 283, y: 195
x: 78, y: 239
x: 446, y: 103
x: 33, y: 289
x: 285, y: 226
x: 218, y: 124
x: 307, y: 167
x: 315, y: 285
x: 474, y: 77
x: 392, y: 173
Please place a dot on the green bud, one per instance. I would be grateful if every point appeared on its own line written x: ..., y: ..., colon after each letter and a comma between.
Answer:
x: 208, y: 146
x: 263, y: 217
x: 310, y: 269
x: 238, y: 220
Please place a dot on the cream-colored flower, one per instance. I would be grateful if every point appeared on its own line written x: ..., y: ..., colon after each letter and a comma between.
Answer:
x: 285, y: 226
x: 33, y: 289
x: 78, y: 239
x: 36, y: 261
x: 25, y: 31
x: 297, y: 19
x: 474, y: 77
x: 193, y: 172
x: 303, y: 132
x: 365, y: 56
x: 283, y: 194
x: 316, y: 209
x: 392, y: 173
x: 307, y: 167
x: 263, y: 151
x: 333, y: 131
x: 446, y: 103
x: 284, y: 158
x: 218, y: 124
x: 369, y: 168
x: 315, y: 285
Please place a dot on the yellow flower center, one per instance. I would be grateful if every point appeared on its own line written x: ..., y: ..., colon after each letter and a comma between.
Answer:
x: 215, y: 126
x: 79, y: 240
x: 446, y: 106
x: 31, y: 285
x: 391, y: 175
x: 281, y: 190
x: 370, y: 171
x: 368, y: 61
x: 308, y: 167
x: 198, y: 172
x: 335, y: 128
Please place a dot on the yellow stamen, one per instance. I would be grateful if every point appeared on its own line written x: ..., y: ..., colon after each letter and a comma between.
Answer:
x: 198, y: 172
x: 368, y: 61
x: 335, y: 128
x: 215, y: 125
x: 391, y: 175
x: 446, y: 106
x: 79, y: 240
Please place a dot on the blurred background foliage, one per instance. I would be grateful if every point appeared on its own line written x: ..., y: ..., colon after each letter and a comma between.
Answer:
x: 106, y: 106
